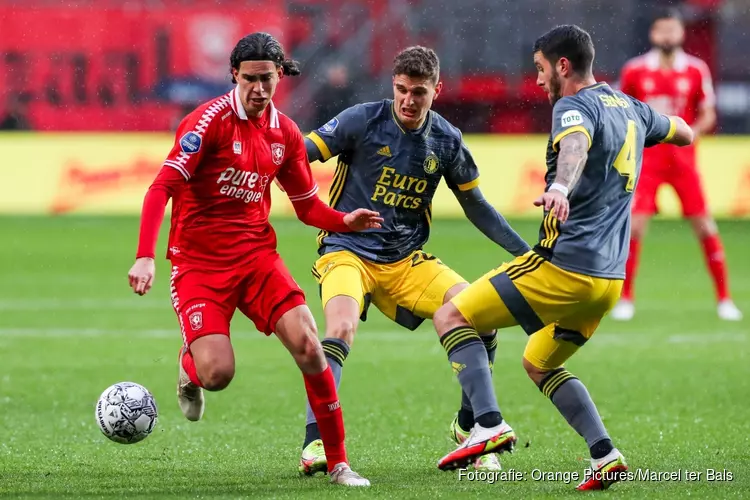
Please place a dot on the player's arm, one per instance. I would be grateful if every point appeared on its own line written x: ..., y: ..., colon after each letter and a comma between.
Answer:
x: 572, y: 135
x: 462, y: 176
x: 706, y: 118
x: 181, y: 163
x: 339, y: 134
x: 662, y: 128
x: 297, y: 180
x: 490, y: 222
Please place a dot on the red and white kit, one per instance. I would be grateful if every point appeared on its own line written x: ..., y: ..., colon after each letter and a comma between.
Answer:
x: 680, y: 90
x: 221, y: 244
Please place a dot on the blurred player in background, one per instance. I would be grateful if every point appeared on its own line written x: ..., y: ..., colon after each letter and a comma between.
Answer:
x: 392, y: 154
x: 222, y: 246
x: 559, y: 291
x: 674, y: 83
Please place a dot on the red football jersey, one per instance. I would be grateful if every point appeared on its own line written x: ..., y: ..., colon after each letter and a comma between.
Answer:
x: 681, y: 90
x: 220, y: 214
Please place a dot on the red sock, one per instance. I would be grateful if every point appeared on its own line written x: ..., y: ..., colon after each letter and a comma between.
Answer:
x: 321, y: 393
x: 713, y: 251
x: 188, y: 364
x: 630, y: 269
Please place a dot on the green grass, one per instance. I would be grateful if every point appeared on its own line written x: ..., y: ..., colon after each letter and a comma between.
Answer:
x: 671, y: 385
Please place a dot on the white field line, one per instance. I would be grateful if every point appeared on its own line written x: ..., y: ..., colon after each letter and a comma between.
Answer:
x: 91, y: 304
x: 515, y: 337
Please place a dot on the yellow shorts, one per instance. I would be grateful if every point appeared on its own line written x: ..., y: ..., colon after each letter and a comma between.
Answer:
x: 559, y: 309
x: 408, y: 291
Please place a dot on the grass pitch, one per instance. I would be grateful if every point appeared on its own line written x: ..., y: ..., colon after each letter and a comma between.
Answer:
x: 671, y: 385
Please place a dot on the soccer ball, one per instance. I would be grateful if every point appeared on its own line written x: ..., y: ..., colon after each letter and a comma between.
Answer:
x: 126, y: 412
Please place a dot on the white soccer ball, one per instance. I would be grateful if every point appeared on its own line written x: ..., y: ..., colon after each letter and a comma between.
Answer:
x: 126, y: 412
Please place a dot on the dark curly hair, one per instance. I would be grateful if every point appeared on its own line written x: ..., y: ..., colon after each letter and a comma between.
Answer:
x: 262, y: 47
x: 568, y: 41
x: 417, y: 62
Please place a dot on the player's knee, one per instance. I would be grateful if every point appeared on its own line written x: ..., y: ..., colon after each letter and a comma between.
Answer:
x: 308, y: 352
x: 342, y: 329
x: 704, y: 226
x: 447, y: 318
x: 535, y: 374
x: 217, y: 377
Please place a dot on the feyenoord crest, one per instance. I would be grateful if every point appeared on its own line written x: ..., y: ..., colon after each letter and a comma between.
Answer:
x: 196, y: 320
x: 277, y: 153
x: 431, y: 163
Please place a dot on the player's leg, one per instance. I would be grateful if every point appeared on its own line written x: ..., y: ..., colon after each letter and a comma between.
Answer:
x: 343, y: 286
x: 276, y: 304
x: 689, y: 189
x: 546, y: 352
x: 204, y: 302
x: 644, y: 207
x: 486, y: 304
x: 421, y: 286
x: 464, y: 420
x: 296, y: 330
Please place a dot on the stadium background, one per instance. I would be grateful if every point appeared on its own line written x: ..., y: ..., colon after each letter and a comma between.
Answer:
x: 89, y: 95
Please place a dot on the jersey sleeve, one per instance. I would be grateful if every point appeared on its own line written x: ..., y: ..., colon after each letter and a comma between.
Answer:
x: 628, y: 80
x: 463, y: 174
x: 658, y: 127
x: 572, y: 115
x: 193, y: 140
x: 706, y: 95
x: 295, y: 175
x: 340, y: 133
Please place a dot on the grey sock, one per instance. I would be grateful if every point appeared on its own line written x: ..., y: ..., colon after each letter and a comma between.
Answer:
x: 467, y: 413
x: 336, y: 351
x: 573, y: 401
x: 469, y: 361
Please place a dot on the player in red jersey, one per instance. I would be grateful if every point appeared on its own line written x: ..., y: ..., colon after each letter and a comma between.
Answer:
x: 674, y: 83
x: 222, y: 246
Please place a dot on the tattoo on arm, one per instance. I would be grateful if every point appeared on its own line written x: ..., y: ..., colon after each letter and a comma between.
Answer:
x: 571, y: 159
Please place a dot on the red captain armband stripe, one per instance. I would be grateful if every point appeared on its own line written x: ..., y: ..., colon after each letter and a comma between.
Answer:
x: 304, y: 196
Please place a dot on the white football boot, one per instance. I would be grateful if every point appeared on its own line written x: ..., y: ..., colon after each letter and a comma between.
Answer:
x: 189, y: 395
x: 343, y: 474
x: 728, y: 311
x: 624, y: 310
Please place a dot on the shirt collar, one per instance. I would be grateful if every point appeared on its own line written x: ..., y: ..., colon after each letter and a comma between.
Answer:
x: 679, y: 63
x: 239, y: 110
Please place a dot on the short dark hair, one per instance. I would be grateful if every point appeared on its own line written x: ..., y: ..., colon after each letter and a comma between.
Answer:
x: 668, y: 13
x: 262, y: 47
x: 417, y: 62
x: 568, y: 41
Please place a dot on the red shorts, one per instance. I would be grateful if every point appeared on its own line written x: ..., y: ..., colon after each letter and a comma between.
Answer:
x: 205, y: 299
x: 666, y: 164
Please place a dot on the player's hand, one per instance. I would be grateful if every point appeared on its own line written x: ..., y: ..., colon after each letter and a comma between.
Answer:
x: 555, y: 200
x: 362, y: 219
x: 141, y: 275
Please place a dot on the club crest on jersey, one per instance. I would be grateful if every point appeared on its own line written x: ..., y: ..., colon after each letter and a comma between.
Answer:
x: 431, y: 163
x: 277, y: 153
x: 572, y: 117
x: 329, y: 127
x: 237, y: 147
x: 196, y: 320
x: 190, y: 143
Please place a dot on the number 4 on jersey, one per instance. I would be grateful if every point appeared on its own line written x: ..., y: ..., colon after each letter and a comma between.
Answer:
x: 625, y: 161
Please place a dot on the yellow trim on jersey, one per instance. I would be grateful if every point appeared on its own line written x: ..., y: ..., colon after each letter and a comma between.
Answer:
x: 577, y: 128
x: 428, y: 214
x: 337, y: 186
x: 322, y: 146
x: 395, y: 119
x: 322, y: 234
x: 551, y: 231
x: 469, y: 185
x: 672, y: 130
